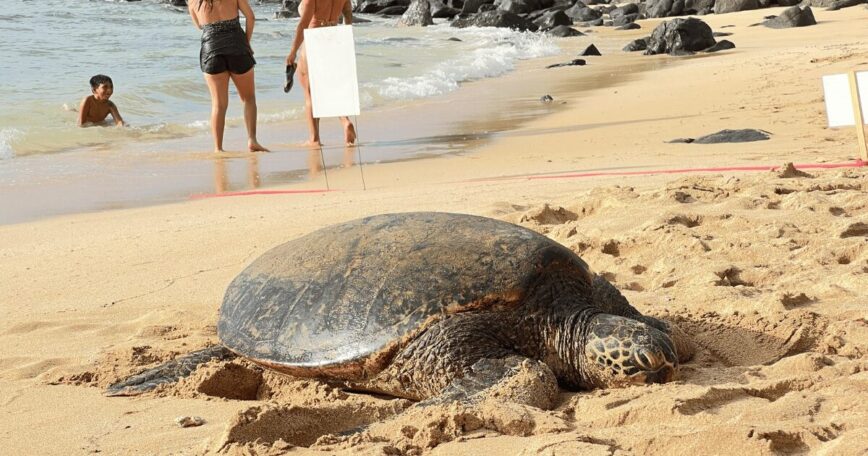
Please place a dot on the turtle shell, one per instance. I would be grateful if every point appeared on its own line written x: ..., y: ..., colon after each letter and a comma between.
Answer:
x: 340, y: 301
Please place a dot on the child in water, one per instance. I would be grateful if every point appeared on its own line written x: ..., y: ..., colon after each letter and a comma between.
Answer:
x: 96, y: 107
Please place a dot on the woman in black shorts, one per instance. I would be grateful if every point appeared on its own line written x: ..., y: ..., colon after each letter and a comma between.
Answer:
x: 226, y: 54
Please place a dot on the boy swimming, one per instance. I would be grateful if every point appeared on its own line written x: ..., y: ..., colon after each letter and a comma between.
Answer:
x: 96, y: 107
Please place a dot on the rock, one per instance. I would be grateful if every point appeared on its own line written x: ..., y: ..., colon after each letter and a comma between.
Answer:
x: 517, y: 6
x: 630, y: 26
x: 472, y: 6
x: 487, y: 7
x: 393, y: 11
x: 664, y: 8
x: 733, y: 136
x: 376, y: 6
x: 575, y: 62
x: 564, y: 31
x: 418, y: 13
x: 733, y: 6
x: 717, y: 34
x: 590, y: 50
x: 189, y: 421
x: 792, y: 17
x: 680, y: 36
x: 580, y: 12
x: 441, y: 11
x: 699, y: 6
x: 594, y: 23
x: 637, y: 45
x: 545, y: 99
x: 553, y: 19
x: 625, y: 19
x: 628, y: 9
x: 496, y: 18
x: 840, y: 4
x: 285, y: 14
x: 721, y: 45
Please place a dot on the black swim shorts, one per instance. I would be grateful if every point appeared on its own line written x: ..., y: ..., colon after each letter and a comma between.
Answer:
x: 235, y: 64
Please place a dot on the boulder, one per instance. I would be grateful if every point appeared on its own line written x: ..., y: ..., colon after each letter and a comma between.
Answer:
x: 393, y: 11
x: 472, y: 6
x: 574, y: 62
x: 517, y: 6
x: 664, y: 8
x: 721, y: 46
x: 733, y: 6
x: 496, y: 18
x: 375, y: 6
x: 699, y: 6
x: 637, y: 45
x: 553, y: 19
x: 733, y: 136
x: 418, y: 13
x: 840, y: 4
x: 680, y: 36
x: 625, y: 19
x: 792, y: 17
x: 630, y: 26
x: 580, y: 12
x: 564, y: 31
x: 590, y: 50
x: 441, y: 11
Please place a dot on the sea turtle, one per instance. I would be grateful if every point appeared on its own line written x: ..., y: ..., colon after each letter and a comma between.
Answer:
x: 411, y: 304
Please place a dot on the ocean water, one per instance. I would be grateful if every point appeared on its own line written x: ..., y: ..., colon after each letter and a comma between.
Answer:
x: 51, y: 48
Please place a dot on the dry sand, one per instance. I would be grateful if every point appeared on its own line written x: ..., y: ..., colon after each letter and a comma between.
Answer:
x: 767, y: 271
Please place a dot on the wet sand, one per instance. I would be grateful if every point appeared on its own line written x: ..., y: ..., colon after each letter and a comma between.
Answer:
x: 765, y: 270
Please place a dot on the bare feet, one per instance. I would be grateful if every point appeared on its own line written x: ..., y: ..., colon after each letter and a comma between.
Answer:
x: 256, y: 147
x: 312, y: 143
x: 350, y: 134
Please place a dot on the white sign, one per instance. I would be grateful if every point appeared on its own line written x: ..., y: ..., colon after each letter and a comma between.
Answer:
x: 331, y: 62
x: 839, y: 102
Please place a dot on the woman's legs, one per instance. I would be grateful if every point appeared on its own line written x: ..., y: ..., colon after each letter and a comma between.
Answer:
x: 218, y: 86
x: 246, y: 85
x: 304, y: 80
x: 349, y: 131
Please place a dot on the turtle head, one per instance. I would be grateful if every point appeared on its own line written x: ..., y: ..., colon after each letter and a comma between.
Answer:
x: 620, y: 352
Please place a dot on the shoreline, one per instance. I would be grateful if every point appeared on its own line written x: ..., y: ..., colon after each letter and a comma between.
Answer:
x: 765, y: 272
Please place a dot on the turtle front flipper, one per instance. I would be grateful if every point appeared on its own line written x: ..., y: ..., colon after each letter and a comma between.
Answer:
x: 169, y: 372
x: 515, y: 378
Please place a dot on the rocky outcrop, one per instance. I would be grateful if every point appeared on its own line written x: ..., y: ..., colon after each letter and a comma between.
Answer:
x: 637, y: 45
x: 418, y: 13
x: 664, y: 8
x: 564, y: 31
x: 792, y: 17
x: 552, y: 19
x: 733, y: 6
x: 496, y: 18
x: 680, y: 36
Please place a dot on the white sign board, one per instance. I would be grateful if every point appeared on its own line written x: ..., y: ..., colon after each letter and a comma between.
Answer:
x: 839, y: 103
x: 331, y: 61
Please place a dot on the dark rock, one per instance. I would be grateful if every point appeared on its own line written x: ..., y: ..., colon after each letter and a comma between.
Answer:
x: 818, y: 3
x: 733, y: 136
x: 792, y: 17
x: 442, y: 11
x: 487, y: 7
x: 393, y: 11
x: 594, y: 23
x: 418, y: 13
x: 590, y: 50
x: 454, y: 39
x: 580, y: 12
x: 496, y: 18
x: 472, y: 6
x: 664, y: 8
x: 637, y: 45
x: 540, y: 13
x: 680, y: 36
x: 286, y: 13
x: 721, y: 46
x: 546, y: 99
x: 576, y: 62
x: 630, y: 26
x: 717, y: 34
x: 733, y: 6
x: 517, y: 6
x: 840, y: 4
x: 630, y: 8
x: 553, y: 19
x: 564, y: 31
x: 375, y: 6
x: 698, y: 6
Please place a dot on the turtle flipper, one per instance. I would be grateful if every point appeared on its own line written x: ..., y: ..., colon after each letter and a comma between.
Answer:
x: 516, y: 378
x: 167, y: 373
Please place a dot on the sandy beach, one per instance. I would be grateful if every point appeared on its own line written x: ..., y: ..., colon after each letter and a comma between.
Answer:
x: 765, y: 269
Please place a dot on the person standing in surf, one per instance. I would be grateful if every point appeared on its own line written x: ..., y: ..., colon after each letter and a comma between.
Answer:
x: 317, y: 13
x: 226, y: 54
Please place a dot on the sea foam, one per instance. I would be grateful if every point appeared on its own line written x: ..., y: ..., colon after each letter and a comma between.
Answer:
x: 8, y: 138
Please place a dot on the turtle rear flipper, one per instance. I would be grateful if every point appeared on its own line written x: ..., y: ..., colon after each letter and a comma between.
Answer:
x: 515, y: 378
x: 169, y: 372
